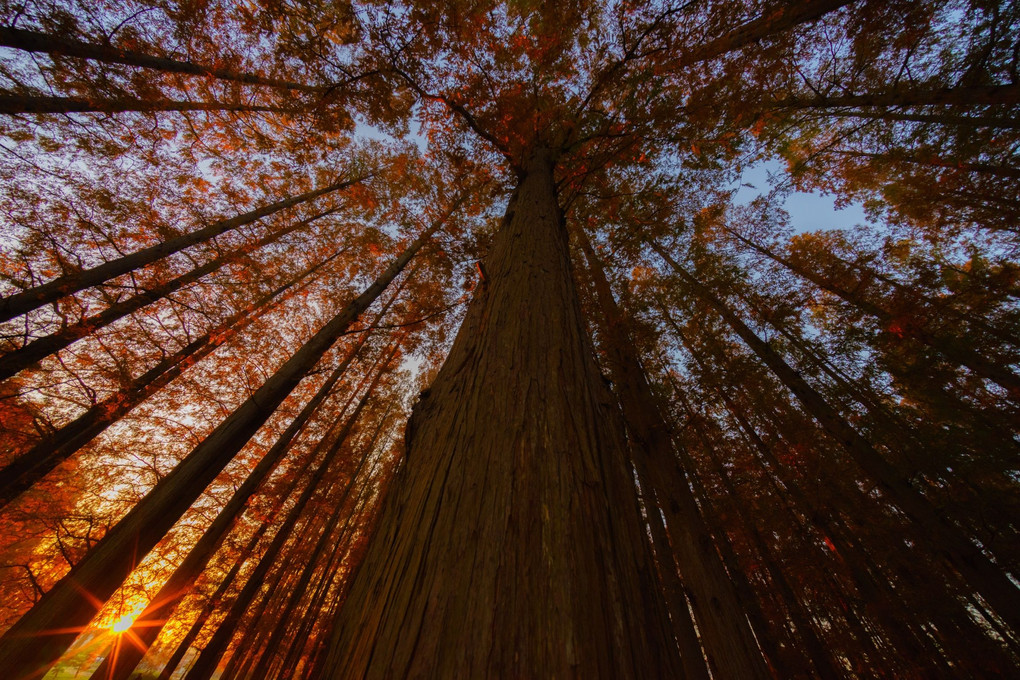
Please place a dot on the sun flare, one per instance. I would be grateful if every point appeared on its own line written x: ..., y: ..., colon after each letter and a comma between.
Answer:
x: 123, y: 623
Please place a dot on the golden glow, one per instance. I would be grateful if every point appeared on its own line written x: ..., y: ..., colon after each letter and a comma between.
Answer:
x: 123, y: 623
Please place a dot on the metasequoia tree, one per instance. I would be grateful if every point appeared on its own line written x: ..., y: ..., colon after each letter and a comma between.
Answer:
x: 289, y: 391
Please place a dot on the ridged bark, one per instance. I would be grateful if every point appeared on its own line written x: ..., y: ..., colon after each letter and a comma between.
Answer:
x: 510, y: 544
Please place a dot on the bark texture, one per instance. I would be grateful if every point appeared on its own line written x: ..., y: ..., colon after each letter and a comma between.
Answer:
x: 510, y: 544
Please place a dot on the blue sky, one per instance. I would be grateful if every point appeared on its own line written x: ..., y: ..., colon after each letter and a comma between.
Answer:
x: 808, y: 211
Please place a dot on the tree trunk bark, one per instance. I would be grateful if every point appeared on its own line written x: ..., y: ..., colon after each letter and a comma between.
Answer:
x: 510, y: 544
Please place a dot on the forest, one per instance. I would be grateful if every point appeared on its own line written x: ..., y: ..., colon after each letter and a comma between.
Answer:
x: 350, y: 339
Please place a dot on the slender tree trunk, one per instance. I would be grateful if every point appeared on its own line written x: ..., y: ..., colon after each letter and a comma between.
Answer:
x: 33, y: 298
x: 946, y: 539
x: 36, y: 350
x: 207, y: 661
x: 989, y: 95
x: 297, y: 591
x: 36, y: 41
x: 510, y: 544
x: 907, y: 157
x: 214, y: 600
x: 273, y: 645
x: 31, y: 466
x: 12, y: 104
x: 949, y: 347
x: 808, y: 637
x: 29, y: 646
x: 947, y: 119
x: 778, y: 20
x: 729, y: 642
x: 882, y: 603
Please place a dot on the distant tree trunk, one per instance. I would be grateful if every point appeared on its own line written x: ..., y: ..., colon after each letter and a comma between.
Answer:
x: 510, y: 544
x: 37, y: 41
x: 935, y: 119
x: 950, y: 347
x: 28, y: 468
x: 946, y: 539
x: 807, y: 637
x: 216, y: 598
x: 29, y: 646
x: 882, y: 603
x: 988, y: 95
x: 37, y: 296
x: 929, y: 159
x: 11, y: 104
x: 40, y: 348
x: 285, y: 616
x: 205, y: 666
x: 730, y: 644
x: 779, y: 19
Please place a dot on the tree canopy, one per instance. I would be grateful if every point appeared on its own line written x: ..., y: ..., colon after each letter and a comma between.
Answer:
x: 390, y: 339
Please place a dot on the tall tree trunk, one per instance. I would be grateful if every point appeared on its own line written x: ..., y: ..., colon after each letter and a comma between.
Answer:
x: 33, y: 298
x: 510, y: 544
x: 261, y: 669
x: 40, y: 348
x: 28, y: 468
x: 776, y: 20
x: 988, y: 95
x: 11, y: 104
x: 31, y: 646
x: 37, y: 41
x: 729, y: 642
x: 947, y: 541
x: 934, y: 118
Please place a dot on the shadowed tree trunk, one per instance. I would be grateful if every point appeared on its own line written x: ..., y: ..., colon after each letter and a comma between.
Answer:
x: 36, y: 350
x: 729, y: 643
x: 510, y: 544
x: 210, y: 657
x: 149, y: 624
x: 988, y: 95
x: 949, y: 543
x: 11, y: 104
